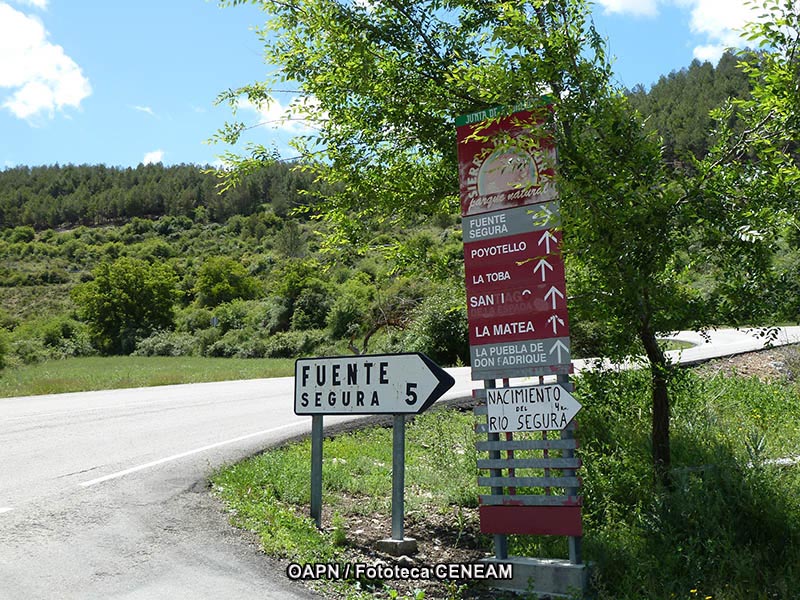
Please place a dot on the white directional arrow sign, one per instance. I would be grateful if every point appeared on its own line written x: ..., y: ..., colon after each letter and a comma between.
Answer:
x: 535, y: 408
x: 547, y: 237
x: 543, y: 265
x: 556, y: 321
x: 552, y: 293
x: 542, y: 216
x: 368, y: 384
x: 559, y: 346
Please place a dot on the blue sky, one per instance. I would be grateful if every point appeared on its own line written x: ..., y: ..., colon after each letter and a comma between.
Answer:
x: 121, y: 82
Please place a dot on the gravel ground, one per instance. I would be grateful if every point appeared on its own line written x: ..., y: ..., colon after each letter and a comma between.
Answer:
x: 768, y: 365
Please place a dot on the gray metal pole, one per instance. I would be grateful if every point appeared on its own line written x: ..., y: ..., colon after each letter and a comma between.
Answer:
x: 575, y: 543
x: 316, y: 469
x: 500, y: 539
x: 398, y: 475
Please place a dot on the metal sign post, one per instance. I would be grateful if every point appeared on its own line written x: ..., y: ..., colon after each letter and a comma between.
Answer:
x: 398, y: 475
x: 396, y: 384
x: 316, y: 469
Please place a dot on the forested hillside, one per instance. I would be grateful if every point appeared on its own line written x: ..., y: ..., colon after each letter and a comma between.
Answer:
x: 677, y: 107
x: 157, y: 260
x: 154, y: 260
x: 69, y: 195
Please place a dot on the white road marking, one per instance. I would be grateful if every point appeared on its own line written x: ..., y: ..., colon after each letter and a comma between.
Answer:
x: 5, y: 509
x: 161, y: 461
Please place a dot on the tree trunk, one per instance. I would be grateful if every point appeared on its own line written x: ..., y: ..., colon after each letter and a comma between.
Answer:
x: 659, y: 372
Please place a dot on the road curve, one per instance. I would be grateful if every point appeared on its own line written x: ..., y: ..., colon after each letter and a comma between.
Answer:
x: 102, y: 493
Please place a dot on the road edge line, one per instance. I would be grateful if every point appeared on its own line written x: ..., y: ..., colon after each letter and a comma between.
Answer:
x: 167, y: 459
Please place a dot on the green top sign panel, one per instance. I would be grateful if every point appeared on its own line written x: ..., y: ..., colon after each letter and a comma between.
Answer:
x: 501, y: 111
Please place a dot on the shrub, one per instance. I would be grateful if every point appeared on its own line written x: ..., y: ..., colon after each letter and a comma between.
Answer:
x: 346, y: 316
x: 439, y: 328
x: 294, y: 344
x: 232, y: 315
x: 4, y: 347
x: 127, y: 300
x: 311, y: 308
x: 23, y: 233
x: 222, y: 279
x: 56, y: 337
x: 166, y: 343
x: 190, y: 320
x: 236, y: 343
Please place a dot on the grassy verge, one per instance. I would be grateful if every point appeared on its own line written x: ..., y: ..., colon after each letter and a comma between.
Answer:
x: 729, y: 529
x: 103, y: 373
x: 667, y: 345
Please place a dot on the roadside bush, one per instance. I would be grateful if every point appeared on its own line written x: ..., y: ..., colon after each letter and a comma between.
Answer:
x: 166, y: 343
x: 232, y: 315
x: 205, y: 338
x: 28, y: 350
x: 237, y: 343
x: 222, y: 279
x: 346, y: 316
x: 190, y: 320
x: 247, y: 343
x: 4, y: 347
x: 439, y: 328
x: 294, y: 344
x: 277, y: 314
x: 311, y: 308
x: 127, y: 300
x: 53, y: 338
x: 351, y: 305
x: 728, y: 527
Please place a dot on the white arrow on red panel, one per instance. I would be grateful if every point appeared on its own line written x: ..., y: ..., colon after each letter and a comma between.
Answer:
x: 556, y: 321
x: 554, y: 291
x: 543, y: 265
x: 547, y: 237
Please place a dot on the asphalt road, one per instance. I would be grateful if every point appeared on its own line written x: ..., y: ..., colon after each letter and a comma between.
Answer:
x: 102, y: 494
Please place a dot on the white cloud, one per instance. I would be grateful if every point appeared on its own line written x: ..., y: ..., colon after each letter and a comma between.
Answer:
x: 151, y: 158
x: 43, y: 78
x: 144, y: 109
x: 709, y: 52
x: 40, y: 4
x: 641, y: 8
x: 296, y: 117
x: 721, y: 22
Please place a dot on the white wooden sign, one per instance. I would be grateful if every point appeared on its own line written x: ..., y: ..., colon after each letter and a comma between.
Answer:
x: 534, y: 408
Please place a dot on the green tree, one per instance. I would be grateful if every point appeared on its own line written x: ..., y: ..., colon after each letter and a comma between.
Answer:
x: 678, y: 106
x: 127, y: 300
x: 752, y: 173
x: 222, y: 279
x: 384, y: 82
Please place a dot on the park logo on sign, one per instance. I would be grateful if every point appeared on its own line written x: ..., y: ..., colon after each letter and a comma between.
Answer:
x: 504, y: 162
